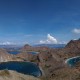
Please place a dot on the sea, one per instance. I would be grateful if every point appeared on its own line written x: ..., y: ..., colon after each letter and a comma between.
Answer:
x: 28, y: 68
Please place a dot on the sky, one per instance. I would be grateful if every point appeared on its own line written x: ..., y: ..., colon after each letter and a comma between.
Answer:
x: 39, y: 21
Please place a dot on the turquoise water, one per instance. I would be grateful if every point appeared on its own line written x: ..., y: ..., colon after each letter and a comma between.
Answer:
x: 14, y: 52
x: 22, y: 67
x: 33, y: 52
x: 17, y: 52
x: 72, y: 61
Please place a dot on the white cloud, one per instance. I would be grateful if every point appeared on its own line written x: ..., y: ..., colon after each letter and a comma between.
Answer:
x: 76, y: 31
x: 42, y: 42
x: 13, y: 43
x: 6, y: 43
x: 50, y: 40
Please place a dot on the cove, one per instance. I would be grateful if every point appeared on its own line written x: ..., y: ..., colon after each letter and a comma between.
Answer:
x: 33, y: 52
x: 13, y: 52
x: 72, y: 61
x: 28, y: 68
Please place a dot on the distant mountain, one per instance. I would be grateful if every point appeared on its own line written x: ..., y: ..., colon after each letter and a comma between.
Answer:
x: 14, y: 47
x: 51, y: 45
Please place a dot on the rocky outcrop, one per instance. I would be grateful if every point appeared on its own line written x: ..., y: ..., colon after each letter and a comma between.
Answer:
x: 73, y: 47
x: 73, y: 44
x: 27, y: 47
x: 13, y: 75
x: 4, y: 56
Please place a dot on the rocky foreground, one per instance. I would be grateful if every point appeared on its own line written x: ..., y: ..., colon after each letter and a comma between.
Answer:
x: 51, y: 61
x: 13, y: 75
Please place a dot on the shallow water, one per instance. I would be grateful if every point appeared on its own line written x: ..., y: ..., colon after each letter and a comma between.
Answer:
x: 17, y: 52
x: 13, y: 52
x: 33, y: 52
x: 72, y: 61
x: 22, y: 67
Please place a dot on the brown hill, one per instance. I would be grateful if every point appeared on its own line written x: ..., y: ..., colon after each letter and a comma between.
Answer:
x: 13, y: 75
x: 52, y: 60
x: 27, y: 47
x: 73, y: 46
x: 70, y: 50
x: 4, y: 56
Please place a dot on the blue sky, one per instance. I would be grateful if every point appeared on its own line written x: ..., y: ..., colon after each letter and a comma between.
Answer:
x: 39, y: 21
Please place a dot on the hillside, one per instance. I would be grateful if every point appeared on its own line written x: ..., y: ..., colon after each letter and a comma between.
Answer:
x: 13, y: 75
x: 4, y: 56
x: 52, y: 60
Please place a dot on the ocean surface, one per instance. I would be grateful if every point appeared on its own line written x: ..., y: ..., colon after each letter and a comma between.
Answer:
x: 22, y: 67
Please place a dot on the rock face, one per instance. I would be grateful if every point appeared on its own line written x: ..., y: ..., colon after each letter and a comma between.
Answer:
x: 13, y: 75
x: 73, y: 46
x: 72, y: 49
x: 4, y: 56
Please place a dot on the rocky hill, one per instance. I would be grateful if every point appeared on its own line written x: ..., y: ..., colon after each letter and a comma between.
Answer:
x: 4, y: 56
x: 52, y: 60
x: 73, y: 44
x: 73, y: 47
x: 27, y: 47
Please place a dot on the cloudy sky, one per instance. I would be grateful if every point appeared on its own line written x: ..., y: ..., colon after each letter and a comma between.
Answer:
x: 39, y: 21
